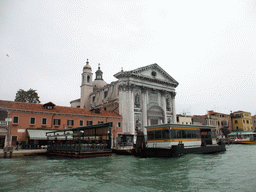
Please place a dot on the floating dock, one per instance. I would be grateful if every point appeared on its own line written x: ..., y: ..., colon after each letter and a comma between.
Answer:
x: 81, y: 142
x: 21, y: 153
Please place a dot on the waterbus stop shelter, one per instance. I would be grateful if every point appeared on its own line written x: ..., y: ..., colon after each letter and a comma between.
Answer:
x: 87, y: 141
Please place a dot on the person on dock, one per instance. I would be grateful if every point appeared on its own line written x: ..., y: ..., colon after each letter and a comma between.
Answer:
x: 17, y: 145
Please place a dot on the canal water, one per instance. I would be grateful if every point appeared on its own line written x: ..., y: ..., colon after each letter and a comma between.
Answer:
x: 233, y: 170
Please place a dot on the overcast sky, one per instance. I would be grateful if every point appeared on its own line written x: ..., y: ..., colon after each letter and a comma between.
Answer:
x: 208, y: 46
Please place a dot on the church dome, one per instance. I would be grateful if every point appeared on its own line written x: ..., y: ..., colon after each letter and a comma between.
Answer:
x: 98, y: 82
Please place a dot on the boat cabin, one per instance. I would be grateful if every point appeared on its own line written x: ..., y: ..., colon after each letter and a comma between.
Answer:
x: 167, y: 135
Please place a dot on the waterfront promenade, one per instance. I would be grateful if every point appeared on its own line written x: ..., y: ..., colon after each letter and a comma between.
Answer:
x: 23, y: 152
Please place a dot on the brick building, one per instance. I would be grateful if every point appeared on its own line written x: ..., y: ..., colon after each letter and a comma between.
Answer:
x: 219, y: 120
x: 216, y: 119
x: 29, y: 121
x: 199, y: 119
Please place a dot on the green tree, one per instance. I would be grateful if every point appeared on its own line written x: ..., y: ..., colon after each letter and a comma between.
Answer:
x: 29, y: 96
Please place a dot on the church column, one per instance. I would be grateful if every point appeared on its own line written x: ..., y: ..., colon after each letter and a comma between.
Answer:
x: 130, y: 103
x: 144, y: 109
x: 173, y: 94
x: 126, y: 102
x: 163, y: 94
x: 123, y: 107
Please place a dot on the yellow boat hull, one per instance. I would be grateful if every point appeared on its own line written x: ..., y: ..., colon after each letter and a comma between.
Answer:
x: 245, y: 142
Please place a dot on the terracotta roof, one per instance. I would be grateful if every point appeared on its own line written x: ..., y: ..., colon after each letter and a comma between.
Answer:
x: 195, y: 116
x: 211, y: 112
x: 56, y: 109
x: 240, y: 111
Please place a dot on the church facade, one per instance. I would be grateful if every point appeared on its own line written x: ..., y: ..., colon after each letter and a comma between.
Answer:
x: 143, y: 96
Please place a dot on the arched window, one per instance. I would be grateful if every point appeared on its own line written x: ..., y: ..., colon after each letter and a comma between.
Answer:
x: 88, y: 79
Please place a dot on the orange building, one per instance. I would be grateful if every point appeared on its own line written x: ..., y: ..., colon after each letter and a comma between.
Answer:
x: 29, y: 122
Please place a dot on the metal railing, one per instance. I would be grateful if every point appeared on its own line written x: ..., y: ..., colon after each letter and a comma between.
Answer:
x: 78, y: 147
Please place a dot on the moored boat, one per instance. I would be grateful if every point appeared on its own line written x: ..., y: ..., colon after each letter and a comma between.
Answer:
x: 244, y: 137
x: 172, y: 140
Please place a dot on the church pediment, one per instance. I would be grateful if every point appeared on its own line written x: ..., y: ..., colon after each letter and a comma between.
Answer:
x: 151, y: 72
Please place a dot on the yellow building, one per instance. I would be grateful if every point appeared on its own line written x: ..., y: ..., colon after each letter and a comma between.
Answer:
x: 241, y: 121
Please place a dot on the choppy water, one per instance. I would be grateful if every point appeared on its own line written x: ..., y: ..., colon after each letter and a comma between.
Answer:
x: 233, y: 170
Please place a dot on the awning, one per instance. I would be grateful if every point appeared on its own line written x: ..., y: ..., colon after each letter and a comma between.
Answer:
x: 241, y: 133
x: 3, y: 131
x: 38, y: 134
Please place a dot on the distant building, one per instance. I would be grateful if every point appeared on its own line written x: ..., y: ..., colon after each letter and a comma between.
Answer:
x: 212, y: 118
x: 199, y: 119
x: 241, y: 121
x: 30, y: 122
x: 183, y: 119
x: 254, y: 122
x: 219, y: 120
x: 143, y: 96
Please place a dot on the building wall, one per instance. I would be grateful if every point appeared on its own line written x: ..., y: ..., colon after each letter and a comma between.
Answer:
x: 142, y: 96
x: 103, y: 96
x: 241, y: 121
x: 19, y: 130
x: 75, y: 103
x: 199, y: 119
x: 184, y: 120
x: 254, y: 122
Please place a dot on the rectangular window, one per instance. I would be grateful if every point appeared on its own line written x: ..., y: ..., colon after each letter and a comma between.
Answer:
x: 158, y: 134
x: 14, y: 138
x: 15, y: 119
x: 184, y: 134
x: 89, y: 123
x: 119, y: 124
x: 44, y: 121
x: 179, y: 134
x: 32, y: 120
x: 166, y: 134
x: 189, y: 133
x: 56, y: 122
x: 105, y: 94
x: 173, y: 134
x: 236, y: 121
x: 81, y: 123
x: 70, y: 122
x: 151, y: 135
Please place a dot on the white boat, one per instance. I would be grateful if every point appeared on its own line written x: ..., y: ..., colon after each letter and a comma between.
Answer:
x: 245, y: 137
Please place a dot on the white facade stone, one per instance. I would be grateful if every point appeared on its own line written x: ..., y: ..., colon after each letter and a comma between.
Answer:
x: 144, y: 96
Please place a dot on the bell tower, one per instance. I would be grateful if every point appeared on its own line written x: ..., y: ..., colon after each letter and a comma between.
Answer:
x: 86, y: 86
